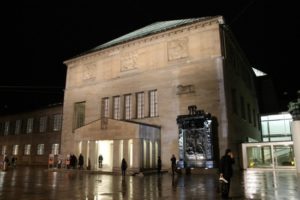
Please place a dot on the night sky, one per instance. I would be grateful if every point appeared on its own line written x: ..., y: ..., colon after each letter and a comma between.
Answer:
x: 36, y: 39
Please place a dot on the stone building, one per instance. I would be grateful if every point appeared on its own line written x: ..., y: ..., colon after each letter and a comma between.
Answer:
x: 31, y: 136
x: 122, y: 98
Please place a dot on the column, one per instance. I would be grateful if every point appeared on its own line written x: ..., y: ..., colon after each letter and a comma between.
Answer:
x: 91, y: 156
x: 136, y: 154
x: 296, y: 139
x: 116, y: 155
x: 294, y: 109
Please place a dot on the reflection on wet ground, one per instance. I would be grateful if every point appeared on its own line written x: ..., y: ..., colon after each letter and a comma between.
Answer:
x: 30, y: 183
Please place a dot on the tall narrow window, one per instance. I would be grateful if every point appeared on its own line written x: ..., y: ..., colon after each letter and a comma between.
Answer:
x: 243, y: 111
x: 234, y: 101
x: 140, y: 104
x: 15, y: 149
x: 254, y: 117
x: 153, y: 100
x: 18, y: 127
x: 105, y: 107
x: 43, y: 124
x: 40, y: 149
x: 127, y: 104
x: 6, y: 128
x: 57, y: 122
x: 4, y: 148
x: 27, y: 149
x: 55, y: 149
x: 79, y: 115
x: 249, y: 113
x: 29, y: 127
x: 116, y: 110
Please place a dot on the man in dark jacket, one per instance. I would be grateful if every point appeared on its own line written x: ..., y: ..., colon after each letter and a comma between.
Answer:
x: 226, y: 171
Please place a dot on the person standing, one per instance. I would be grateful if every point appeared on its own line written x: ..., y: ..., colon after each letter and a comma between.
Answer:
x: 14, y: 161
x: 80, y: 161
x: 123, y: 166
x: 158, y: 165
x: 173, y: 164
x: 226, y: 171
x: 5, y: 162
x: 100, y: 160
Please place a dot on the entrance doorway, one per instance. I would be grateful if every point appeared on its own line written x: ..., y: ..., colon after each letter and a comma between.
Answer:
x: 104, y: 148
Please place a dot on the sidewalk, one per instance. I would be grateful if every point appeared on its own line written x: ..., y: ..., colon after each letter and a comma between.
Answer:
x: 27, y: 183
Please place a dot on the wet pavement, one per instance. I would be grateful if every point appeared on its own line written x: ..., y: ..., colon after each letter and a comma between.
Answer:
x: 37, y: 183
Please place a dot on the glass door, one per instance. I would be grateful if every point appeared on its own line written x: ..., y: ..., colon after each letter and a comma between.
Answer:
x: 259, y: 156
x: 284, y: 156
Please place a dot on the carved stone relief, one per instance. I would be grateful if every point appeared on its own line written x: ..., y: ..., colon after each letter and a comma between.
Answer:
x: 185, y: 89
x: 128, y: 61
x: 89, y: 72
x: 178, y: 49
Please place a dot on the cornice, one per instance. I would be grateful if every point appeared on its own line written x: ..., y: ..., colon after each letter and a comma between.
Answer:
x: 111, y: 51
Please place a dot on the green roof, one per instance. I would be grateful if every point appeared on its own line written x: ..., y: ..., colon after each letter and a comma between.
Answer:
x: 149, y: 30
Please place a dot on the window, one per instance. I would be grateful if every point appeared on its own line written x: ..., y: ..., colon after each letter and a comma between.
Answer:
x: 105, y: 107
x: 243, y: 112
x: 3, y: 150
x: 40, y: 149
x: 29, y: 128
x: 116, y: 110
x: 27, y: 149
x: 153, y: 103
x: 140, y: 105
x: 43, y: 124
x: 15, y: 150
x: 254, y: 117
x: 276, y: 127
x: 79, y: 115
x: 18, y: 127
x: 249, y: 113
x: 128, y: 106
x: 57, y: 122
x: 55, y: 149
x: 234, y: 101
x: 6, y: 128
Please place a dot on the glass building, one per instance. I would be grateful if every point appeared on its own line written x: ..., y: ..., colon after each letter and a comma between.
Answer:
x: 277, y: 150
x: 276, y: 127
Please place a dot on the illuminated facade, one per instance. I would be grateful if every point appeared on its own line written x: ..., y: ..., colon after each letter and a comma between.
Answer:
x: 31, y: 136
x: 122, y: 98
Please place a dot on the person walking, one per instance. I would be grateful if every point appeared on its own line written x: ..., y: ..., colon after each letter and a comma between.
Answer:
x: 123, y: 166
x: 100, y: 160
x: 226, y: 172
x: 173, y: 164
x: 158, y: 165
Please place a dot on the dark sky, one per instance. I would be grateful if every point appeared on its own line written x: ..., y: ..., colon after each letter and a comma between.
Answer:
x: 36, y: 39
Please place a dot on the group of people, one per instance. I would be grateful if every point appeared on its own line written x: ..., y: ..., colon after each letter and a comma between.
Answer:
x: 73, y: 161
x: 6, y: 162
x: 225, y: 170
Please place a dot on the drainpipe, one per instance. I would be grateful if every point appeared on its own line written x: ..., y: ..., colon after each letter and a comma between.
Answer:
x: 294, y: 109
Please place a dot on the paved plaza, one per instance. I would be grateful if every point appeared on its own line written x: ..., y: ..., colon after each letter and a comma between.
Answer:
x: 37, y: 183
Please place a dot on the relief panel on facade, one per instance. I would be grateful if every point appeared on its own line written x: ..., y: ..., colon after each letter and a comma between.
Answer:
x: 128, y: 61
x: 178, y: 49
x: 185, y: 89
x: 89, y: 72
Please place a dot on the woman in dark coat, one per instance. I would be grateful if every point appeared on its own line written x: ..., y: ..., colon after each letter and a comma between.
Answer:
x: 80, y: 161
x: 226, y: 171
x: 158, y: 165
x: 123, y: 166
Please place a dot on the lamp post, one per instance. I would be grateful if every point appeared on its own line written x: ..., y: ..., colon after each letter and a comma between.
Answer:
x: 294, y: 109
